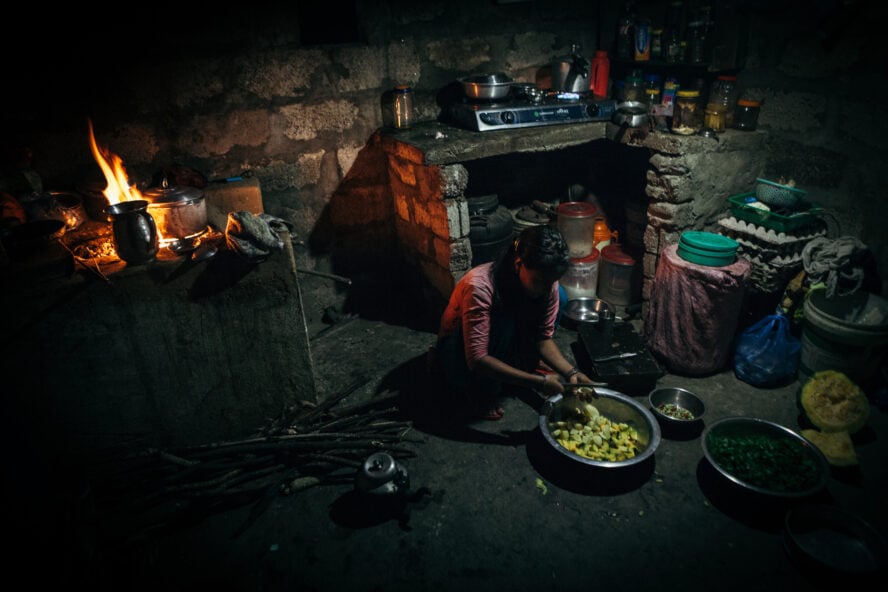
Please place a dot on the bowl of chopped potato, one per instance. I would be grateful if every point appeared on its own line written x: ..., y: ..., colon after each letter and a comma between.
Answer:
x: 610, y: 430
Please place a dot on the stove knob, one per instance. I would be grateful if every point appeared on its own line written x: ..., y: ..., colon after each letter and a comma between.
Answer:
x: 593, y: 110
x: 508, y: 116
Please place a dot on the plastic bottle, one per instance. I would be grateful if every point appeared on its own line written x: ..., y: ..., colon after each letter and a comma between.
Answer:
x: 626, y: 32
x: 673, y: 32
x: 642, y: 41
x: 599, y: 74
x: 402, y: 107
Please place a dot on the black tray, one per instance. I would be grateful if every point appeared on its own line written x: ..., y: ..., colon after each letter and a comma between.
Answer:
x: 633, y: 376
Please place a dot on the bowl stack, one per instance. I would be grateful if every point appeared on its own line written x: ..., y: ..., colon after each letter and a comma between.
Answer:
x: 707, y: 248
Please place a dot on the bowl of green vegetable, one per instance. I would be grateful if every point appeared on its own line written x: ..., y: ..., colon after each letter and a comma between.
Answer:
x: 765, y: 457
x: 679, y: 411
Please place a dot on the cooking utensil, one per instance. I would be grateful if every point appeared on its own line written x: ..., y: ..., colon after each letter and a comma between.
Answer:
x: 616, y: 357
x: 631, y: 114
x: 834, y: 541
x: 615, y: 406
x: 770, y: 451
x: 180, y: 212
x: 486, y: 86
x: 570, y: 73
x: 134, y: 230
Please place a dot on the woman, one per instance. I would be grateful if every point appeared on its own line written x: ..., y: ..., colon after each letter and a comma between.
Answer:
x: 498, y: 324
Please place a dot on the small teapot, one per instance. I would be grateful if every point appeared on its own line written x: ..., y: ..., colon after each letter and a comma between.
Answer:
x: 570, y: 73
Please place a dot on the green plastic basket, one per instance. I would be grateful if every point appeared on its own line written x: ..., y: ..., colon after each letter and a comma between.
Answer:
x: 806, y: 213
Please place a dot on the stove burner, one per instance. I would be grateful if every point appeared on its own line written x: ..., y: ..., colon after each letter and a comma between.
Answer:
x: 561, y: 108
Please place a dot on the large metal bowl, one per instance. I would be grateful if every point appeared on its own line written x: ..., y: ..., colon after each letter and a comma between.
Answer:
x: 615, y: 406
x: 580, y: 311
x: 487, y: 86
x: 766, y: 458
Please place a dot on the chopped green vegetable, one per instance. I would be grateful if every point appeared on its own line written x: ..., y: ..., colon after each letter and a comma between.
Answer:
x: 673, y: 410
x: 775, y: 464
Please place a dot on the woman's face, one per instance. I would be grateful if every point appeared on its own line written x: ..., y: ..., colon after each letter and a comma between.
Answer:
x: 536, y: 282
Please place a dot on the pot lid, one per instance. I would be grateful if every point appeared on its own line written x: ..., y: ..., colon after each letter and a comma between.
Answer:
x: 167, y: 194
x: 577, y: 209
x: 708, y: 241
x: 615, y: 254
x: 590, y: 258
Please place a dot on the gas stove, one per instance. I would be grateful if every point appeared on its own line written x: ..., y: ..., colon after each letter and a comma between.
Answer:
x: 556, y: 109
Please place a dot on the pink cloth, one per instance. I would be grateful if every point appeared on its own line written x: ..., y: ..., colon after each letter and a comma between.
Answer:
x: 470, y: 305
x: 694, y: 313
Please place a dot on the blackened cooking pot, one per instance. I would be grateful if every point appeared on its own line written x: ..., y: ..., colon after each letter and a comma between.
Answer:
x: 179, y: 212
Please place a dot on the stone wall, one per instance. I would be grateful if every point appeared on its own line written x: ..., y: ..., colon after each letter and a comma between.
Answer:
x: 241, y: 93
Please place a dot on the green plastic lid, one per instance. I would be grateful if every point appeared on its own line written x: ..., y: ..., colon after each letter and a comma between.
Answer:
x: 708, y: 241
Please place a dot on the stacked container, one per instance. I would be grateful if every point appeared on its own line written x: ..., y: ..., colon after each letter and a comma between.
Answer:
x: 581, y: 278
x: 576, y: 221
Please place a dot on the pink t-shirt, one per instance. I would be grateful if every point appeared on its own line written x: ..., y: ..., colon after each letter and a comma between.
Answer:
x: 470, y: 305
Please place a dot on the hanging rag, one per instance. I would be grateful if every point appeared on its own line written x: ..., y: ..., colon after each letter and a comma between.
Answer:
x: 836, y: 263
x: 254, y: 236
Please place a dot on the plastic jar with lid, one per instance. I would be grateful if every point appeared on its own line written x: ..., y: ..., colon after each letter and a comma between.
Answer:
x: 576, y: 221
x: 687, y: 114
x: 746, y: 117
x: 581, y: 278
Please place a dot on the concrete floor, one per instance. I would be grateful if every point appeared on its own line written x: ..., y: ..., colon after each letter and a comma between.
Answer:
x: 491, y: 505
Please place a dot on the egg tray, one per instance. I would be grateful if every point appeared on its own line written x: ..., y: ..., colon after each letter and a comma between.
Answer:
x: 782, y: 221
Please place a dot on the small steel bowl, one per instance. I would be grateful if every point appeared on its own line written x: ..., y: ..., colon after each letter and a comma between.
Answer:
x: 580, y: 311
x: 680, y: 398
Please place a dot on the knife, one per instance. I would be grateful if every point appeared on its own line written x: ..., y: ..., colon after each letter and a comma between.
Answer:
x: 616, y: 357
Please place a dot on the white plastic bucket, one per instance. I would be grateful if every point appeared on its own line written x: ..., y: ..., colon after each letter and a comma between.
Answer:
x: 845, y: 333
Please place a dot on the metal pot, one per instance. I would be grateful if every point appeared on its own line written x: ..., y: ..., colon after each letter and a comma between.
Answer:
x: 487, y: 86
x: 180, y: 212
x: 631, y: 114
x: 571, y: 73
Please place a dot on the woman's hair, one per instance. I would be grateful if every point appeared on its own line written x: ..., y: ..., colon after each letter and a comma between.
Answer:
x: 541, y: 248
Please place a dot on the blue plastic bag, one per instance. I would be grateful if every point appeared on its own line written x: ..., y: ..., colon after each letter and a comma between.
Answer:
x: 767, y: 354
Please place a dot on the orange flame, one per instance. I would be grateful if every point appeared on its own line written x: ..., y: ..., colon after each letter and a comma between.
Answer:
x: 118, y: 189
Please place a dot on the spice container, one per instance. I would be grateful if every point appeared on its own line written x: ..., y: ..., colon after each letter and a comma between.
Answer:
x: 687, y: 114
x: 746, y: 117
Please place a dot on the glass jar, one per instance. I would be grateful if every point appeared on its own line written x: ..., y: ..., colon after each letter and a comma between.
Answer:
x: 746, y: 117
x: 714, y: 117
x: 723, y: 94
x: 687, y: 114
x: 633, y: 89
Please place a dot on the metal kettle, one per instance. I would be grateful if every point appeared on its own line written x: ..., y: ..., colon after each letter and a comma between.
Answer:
x: 570, y: 73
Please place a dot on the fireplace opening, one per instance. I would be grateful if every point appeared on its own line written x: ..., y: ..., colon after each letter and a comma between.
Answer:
x: 612, y: 176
